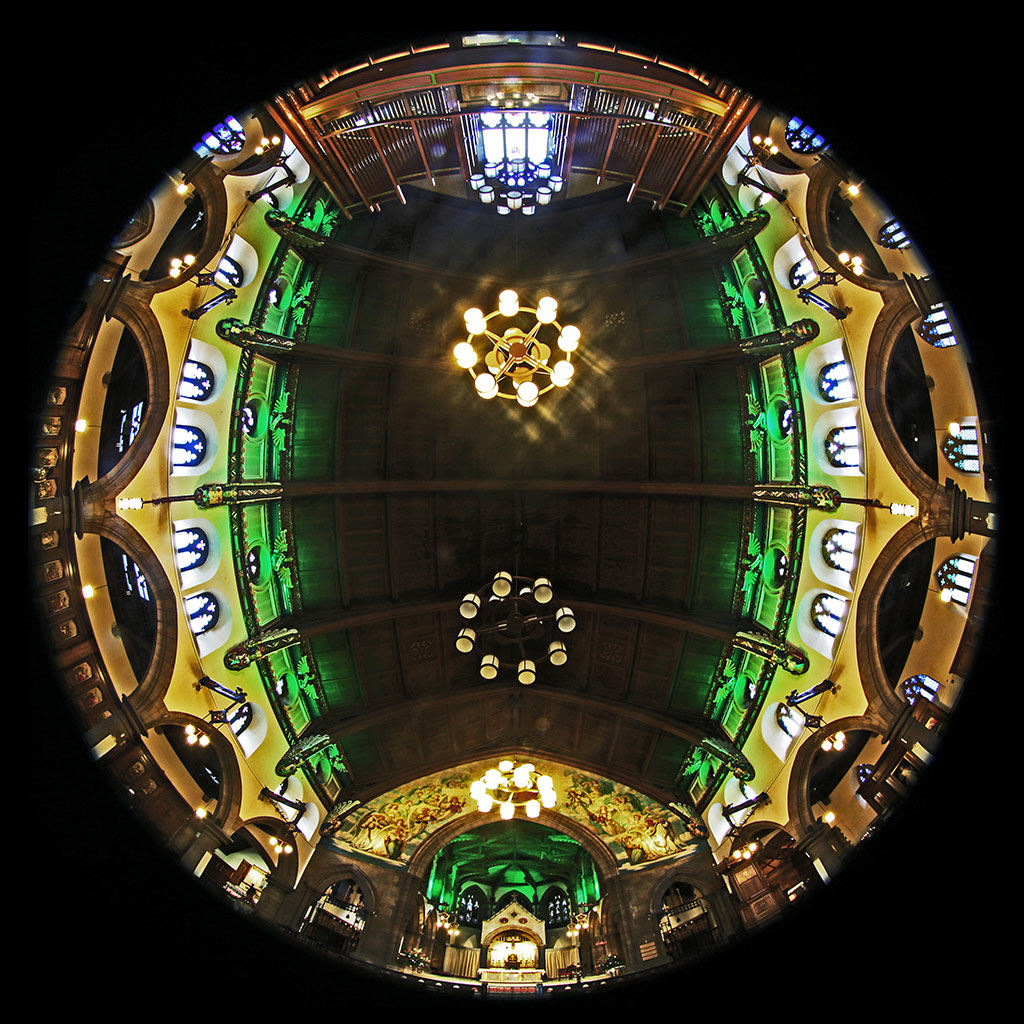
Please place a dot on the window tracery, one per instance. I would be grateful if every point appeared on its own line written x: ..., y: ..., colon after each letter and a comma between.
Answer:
x: 203, y: 612
x: 919, y: 686
x: 936, y: 327
x: 196, y: 381
x: 962, y: 450
x: 802, y: 138
x: 827, y: 613
x: 842, y: 447
x: 838, y: 547
x: 835, y: 381
x: 191, y: 547
x: 189, y: 445
x: 955, y: 576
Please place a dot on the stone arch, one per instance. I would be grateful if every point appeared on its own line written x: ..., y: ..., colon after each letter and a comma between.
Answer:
x: 823, y: 179
x: 226, y: 816
x: 133, y: 311
x: 801, y: 819
x: 420, y: 862
x: 147, y: 698
x: 324, y: 872
x: 208, y: 183
x: 286, y: 870
x: 895, y: 317
x: 882, y: 700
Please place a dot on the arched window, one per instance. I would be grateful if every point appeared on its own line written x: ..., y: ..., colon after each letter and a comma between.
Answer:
x: 919, y: 686
x: 247, y: 419
x: 802, y: 138
x: 241, y: 718
x: 955, y: 577
x: 827, y: 613
x: 789, y: 721
x: 469, y: 907
x: 189, y: 445
x: 962, y: 450
x: 892, y: 236
x: 196, y: 381
x: 203, y: 612
x: 192, y: 547
x: 801, y: 272
x: 835, y: 381
x: 558, y: 910
x: 230, y: 271
x: 842, y: 446
x: 837, y: 548
x: 864, y: 772
x: 226, y: 137
x: 936, y: 328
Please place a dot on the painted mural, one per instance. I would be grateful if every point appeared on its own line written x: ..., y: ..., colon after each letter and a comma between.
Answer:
x: 635, y: 828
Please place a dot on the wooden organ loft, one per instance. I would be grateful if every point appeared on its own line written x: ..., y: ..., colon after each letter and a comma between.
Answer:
x: 369, y: 132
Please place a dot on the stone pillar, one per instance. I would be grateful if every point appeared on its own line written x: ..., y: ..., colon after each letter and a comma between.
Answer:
x: 827, y: 845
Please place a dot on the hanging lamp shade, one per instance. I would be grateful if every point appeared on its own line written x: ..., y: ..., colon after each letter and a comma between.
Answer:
x: 466, y: 640
x: 489, y: 666
x: 470, y: 606
x: 565, y: 620
x: 558, y: 653
x: 502, y: 585
x: 526, y: 673
x: 486, y: 385
x: 542, y: 590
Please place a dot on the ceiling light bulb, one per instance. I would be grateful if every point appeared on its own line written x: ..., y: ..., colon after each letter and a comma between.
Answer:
x: 507, y: 810
x: 532, y: 808
x: 486, y: 385
x: 508, y: 303
x: 485, y: 803
x: 492, y: 777
x: 569, y: 339
x: 562, y: 373
x: 465, y: 354
x: 527, y: 394
x: 505, y: 766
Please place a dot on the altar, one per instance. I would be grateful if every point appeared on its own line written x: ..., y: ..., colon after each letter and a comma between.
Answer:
x: 514, y: 939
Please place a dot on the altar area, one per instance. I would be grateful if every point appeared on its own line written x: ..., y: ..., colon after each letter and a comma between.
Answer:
x: 514, y: 940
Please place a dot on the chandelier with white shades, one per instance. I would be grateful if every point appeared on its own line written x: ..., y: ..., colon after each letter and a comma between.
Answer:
x: 517, y: 623
x: 519, y: 364
x: 511, y: 786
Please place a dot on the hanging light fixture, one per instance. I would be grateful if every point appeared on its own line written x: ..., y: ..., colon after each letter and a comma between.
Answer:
x: 516, y: 623
x: 517, y: 357
x: 513, y: 786
x: 517, y: 171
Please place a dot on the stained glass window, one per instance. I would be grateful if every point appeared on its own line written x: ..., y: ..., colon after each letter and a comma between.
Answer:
x: 955, y: 577
x: 802, y: 138
x: 919, y: 686
x: 892, y: 236
x: 226, y: 137
x: 196, y: 381
x: 842, y: 446
x: 962, y: 449
x: 827, y: 613
x: 192, y: 548
x: 837, y: 548
x: 936, y: 328
x: 189, y: 445
x: 203, y: 612
x: 835, y: 381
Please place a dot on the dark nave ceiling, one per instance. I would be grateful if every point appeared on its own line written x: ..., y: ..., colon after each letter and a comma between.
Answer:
x: 443, y: 490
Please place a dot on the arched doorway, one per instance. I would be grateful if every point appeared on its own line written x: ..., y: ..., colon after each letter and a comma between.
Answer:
x: 336, y: 921
x: 684, y: 922
x: 543, y: 881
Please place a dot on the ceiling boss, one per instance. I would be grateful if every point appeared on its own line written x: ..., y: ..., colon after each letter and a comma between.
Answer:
x: 516, y: 358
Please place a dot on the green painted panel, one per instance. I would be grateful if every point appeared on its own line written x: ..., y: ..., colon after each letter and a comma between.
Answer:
x: 697, y: 666
x: 698, y: 296
x: 313, y: 444
x: 714, y: 575
x: 721, y: 431
x: 338, y: 673
x: 317, y: 545
x: 331, y: 321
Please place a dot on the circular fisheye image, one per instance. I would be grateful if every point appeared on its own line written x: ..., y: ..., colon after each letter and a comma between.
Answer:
x: 512, y: 518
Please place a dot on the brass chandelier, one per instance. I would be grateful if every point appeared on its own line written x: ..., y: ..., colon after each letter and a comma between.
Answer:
x: 512, y: 786
x: 516, y: 357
